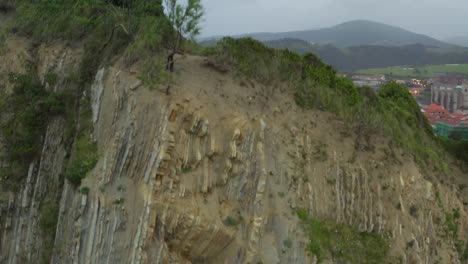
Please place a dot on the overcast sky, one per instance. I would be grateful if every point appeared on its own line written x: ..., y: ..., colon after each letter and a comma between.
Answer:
x: 436, y: 18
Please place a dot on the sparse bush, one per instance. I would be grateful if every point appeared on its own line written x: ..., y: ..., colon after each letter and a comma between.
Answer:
x: 462, y: 248
x: 84, y: 190
x: 302, y: 214
x: 287, y: 243
x: 331, y: 180
x: 343, y: 243
x: 231, y: 221
x: 48, y: 217
x: 51, y: 78
x: 249, y: 56
x: 413, y: 211
x: 452, y: 222
x: 84, y: 159
x: 320, y: 151
x: 119, y: 201
x: 458, y: 148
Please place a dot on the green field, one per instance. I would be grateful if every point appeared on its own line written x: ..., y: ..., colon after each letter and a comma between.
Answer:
x: 426, y: 71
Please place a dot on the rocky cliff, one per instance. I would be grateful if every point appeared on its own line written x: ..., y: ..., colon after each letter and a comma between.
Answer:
x: 214, y: 172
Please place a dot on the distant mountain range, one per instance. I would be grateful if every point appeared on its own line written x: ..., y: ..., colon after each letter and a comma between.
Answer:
x: 375, y: 56
x: 362, y: 44
x: 354, y: 33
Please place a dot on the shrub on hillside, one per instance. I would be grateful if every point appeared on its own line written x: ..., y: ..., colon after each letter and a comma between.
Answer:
x: 25, y: 114
x: 84, y: 159
x: 343, y: 243
x: 458, y: 148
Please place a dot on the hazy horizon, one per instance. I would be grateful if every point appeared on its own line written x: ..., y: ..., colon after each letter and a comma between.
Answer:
x: 430, y: 17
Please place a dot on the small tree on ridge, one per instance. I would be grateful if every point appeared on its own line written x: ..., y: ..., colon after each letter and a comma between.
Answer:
x: 185, y: 21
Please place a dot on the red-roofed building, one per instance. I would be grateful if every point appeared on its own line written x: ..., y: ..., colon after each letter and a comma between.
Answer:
x: 435, y: 112
x: 446, y: 124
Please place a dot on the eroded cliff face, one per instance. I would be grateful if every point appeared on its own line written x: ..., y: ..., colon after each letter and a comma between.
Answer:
x: 213, y: 173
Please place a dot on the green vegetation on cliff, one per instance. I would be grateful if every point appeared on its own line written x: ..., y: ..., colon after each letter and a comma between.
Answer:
x: 84, y: 152
x: 134, y: 30
x: 25, y: 114
x: 77, y: 20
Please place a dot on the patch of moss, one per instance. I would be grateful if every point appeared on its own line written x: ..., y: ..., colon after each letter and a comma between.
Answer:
x: 84, y: 190
x: 287, y: 243
x: 231, y: 221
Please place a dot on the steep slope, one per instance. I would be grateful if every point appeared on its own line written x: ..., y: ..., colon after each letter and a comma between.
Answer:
x: 215, y: 172
x: 355, y: 33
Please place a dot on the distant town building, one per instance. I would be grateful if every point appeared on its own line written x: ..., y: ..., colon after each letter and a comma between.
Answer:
x: 451, y: 92
x: 447, y: 124
x: 374, y: 81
